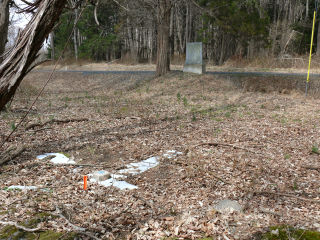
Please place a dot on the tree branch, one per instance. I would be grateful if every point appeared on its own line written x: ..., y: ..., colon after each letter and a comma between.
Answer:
x: 21, y: 227
x: 33, y: 125
x: 11, y: 153
x: 266, y: 193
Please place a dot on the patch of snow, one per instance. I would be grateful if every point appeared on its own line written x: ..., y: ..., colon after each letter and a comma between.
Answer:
x: 22, y: 187
x: 115, y: 183
x: 140, y: 167
x: 115, y: 180
x: 59, y: 158
x: 118, y: 176
x: 171, y: 154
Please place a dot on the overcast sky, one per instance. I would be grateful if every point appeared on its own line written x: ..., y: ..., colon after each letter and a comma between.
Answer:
x: 19, y: 21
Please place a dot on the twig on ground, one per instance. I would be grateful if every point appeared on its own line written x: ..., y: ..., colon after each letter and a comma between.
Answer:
x: 21, y: 227
x: 219, y: 178
x: 41, y: 129
x: 312, y: 168
x: 33, y: 125
x: 266, y: 211
x: 76, y: 228
x: 11, y: 153
x: 17, y: 200
x: 265, y: 193
x: 215, y: 144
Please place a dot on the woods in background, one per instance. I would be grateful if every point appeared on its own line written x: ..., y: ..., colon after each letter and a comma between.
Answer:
x: 242, y: 28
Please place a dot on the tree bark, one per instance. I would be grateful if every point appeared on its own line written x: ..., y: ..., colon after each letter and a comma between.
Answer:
x: 4, y: 24
x: 52, y: 46
x: 163, y: 38
x: 75, y: 35
x: 20, y: 59
x: 318, y: 41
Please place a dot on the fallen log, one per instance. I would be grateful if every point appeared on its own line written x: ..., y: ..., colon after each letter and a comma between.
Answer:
x: 11, y: 154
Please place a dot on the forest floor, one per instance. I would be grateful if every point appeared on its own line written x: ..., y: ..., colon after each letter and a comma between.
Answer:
x: 259, y: 149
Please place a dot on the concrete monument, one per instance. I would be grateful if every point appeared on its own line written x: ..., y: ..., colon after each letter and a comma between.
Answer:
x: 194, y: 60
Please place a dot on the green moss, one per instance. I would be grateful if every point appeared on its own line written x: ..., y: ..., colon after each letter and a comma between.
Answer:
x: 175, y: 238
x: 50, y: 235
x: 7, y: 232
x: 11, y: 232
x: 287, y: 233
x: 36, y: 219
x: 3, y: 212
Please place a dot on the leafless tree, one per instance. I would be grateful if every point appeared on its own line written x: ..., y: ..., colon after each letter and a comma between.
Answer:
x: 29, y: 42
x: 4, y: 24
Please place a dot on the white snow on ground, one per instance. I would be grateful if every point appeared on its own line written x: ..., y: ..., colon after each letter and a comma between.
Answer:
x: 171, y: 154
x: 140, y: 167
x: 58, y: 159
x: 133, y: 169
x: 115, y: 183
x: 115, y: 180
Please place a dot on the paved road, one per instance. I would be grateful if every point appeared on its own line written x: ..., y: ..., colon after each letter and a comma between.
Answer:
x: 276, y: 74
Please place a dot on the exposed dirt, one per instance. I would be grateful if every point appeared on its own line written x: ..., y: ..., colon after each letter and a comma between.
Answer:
x: 251, y: 147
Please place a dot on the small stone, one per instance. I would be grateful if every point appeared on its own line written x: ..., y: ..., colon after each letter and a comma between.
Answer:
x: 227, y: 206
x: 102, y: 175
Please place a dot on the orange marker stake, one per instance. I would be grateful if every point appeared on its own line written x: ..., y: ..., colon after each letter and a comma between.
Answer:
x: 85, y: 184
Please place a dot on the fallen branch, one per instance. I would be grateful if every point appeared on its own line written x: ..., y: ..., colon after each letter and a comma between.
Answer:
x: 31, y: 126
x: 11, y: 154
x: 76, y: 228
x: 215, y: 144
x: 41, y: 129
x: 312, y: 168
x: 266, y: 211
x: 21, y: 227
x: 17, y: 200
x: 219, y: 178
x: 265, y: 193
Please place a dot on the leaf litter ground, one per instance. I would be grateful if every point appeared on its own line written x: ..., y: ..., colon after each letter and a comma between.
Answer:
x: 251, y: 147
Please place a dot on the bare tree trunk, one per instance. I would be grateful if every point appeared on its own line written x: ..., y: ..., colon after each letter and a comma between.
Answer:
x: 163, y: 38
x: 307, y: 10
x: 187, y: 24
x: 52, y: 46
x: 318, y: 41
x: 179, y: 29
x: 4, y: 24
x: 222, y: 50
x: 171, y: 33
x: 75, y: 35
x: 20, y: 59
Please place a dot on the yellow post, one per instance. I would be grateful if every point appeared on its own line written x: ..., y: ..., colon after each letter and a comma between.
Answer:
x: 314, y: 20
